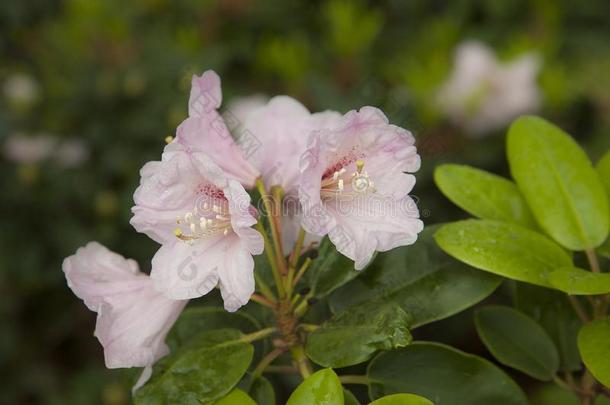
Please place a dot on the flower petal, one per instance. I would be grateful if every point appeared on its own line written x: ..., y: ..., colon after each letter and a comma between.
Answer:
x: 236, y: 275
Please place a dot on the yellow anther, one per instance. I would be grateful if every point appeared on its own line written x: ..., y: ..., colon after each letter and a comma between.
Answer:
x: 359, y: 165
x: 169, y: 139
x: 178, y: 232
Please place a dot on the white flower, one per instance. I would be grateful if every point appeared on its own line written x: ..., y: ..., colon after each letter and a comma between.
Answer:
x: 482, y: 94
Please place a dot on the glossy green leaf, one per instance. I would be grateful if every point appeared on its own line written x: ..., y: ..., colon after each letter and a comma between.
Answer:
x: 483, y: 194
x: 353, y: 336
x: 517, y: 341
x: 402, y: 399
x: 603, y: 169
x: 425, y: 282
x: 321, y: 388
x: 559, y: 183
x: 444, y: 375
x: 262, y: 391
x: 505, y: 249
x: 575, y: 281
x: 203, y: 370
x: 329, y: 270
x: 349, y: 398
x: 552, y: 310
x: 236, y: 397
x: 194, y: 320
x: 594, y: 346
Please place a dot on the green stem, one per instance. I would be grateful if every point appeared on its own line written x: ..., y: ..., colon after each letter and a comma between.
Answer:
x: 266, y: 361
x: 302, y: 363
x: 275, y: 234
x: 264, y: 288
x: 301, y: 271
x: 354, y: 379
x: 296, y: 252
x: 263, y: 333
x: 593, y: 262
x: 277, y: 278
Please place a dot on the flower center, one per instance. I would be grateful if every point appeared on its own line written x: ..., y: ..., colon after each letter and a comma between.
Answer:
x: 342, y: 184
x: 210, y: 217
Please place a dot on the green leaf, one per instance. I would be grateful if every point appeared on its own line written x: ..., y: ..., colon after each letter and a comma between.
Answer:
x: 483, y: 194
x: 559, y: 183
x: 350, y: 399
x: 517, y: 341
x: 262, y: 391
x: 203, y: 370
x: 604, y: 249
x: 353, y: 336
x: 575, y: 281
x: 330, y: 270
x: 594, y: 346
x: 552, y: 310
x: 320, y: 388
x: 603, y: 169
x: 194, y: 320
x: 442, y: 374
x: 402, y: 399
x: 426, y: 283
x: 505, y: 249
x: 236, y: 397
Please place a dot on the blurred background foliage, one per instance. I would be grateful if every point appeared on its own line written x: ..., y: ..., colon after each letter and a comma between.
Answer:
x: 96, y: 86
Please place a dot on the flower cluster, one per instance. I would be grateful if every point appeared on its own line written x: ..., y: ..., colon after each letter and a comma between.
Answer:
x: 347, y: 176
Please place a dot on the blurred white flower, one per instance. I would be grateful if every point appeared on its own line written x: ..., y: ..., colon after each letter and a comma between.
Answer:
x: 72, y: 153
x: 239, y: 108
x: 21, y: 148
x: 482, y: 94
x: 21, y: 89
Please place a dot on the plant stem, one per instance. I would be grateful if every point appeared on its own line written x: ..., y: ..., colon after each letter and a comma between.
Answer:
x: 273, y: 224
x: 354, y: 379
x: 302, y: 364
x: 281, y: 369
x: 264, y: 288
x: 301, y: 271
x: 593, y: 262
x: 277, y: 278
x: 263, y: 333
x: 580, y: 311
x: 266, y: 361
x: 259, y: 299
x: 296, y: 252
x: 563, y: 384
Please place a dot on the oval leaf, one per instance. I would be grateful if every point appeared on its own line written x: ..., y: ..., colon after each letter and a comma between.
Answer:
x: 205, y: 369
x: 483, y: 194
x: 559, y: 183
x: 575, y: 281
x: 552, y: 310
x: 355, y: 335
x: 517, y: 341
x: 442, y: 374
x: 320, y: 388
x: 349, y: 398
x: 594, y: 346
x: 603, y: 169
x: 236, y: 397
x: 502, y: 248
x: 426, y: 283
x: 262, y: 391
x: 330, y: 270
x: 402, y: 399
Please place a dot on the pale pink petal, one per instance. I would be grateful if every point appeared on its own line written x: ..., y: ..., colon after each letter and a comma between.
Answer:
x: 280, y: 129
x: 206, y: 94
x: 133, y: 318
x: 181, y: 270
x: 236, y: 274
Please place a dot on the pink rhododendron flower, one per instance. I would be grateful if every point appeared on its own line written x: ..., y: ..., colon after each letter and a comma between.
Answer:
x: 206, y: 131
x: 354, y: 186
x: 202, y: 218
x: 133, y: 318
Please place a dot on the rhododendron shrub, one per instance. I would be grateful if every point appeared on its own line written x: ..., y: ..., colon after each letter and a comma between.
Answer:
x: 288, y: 243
